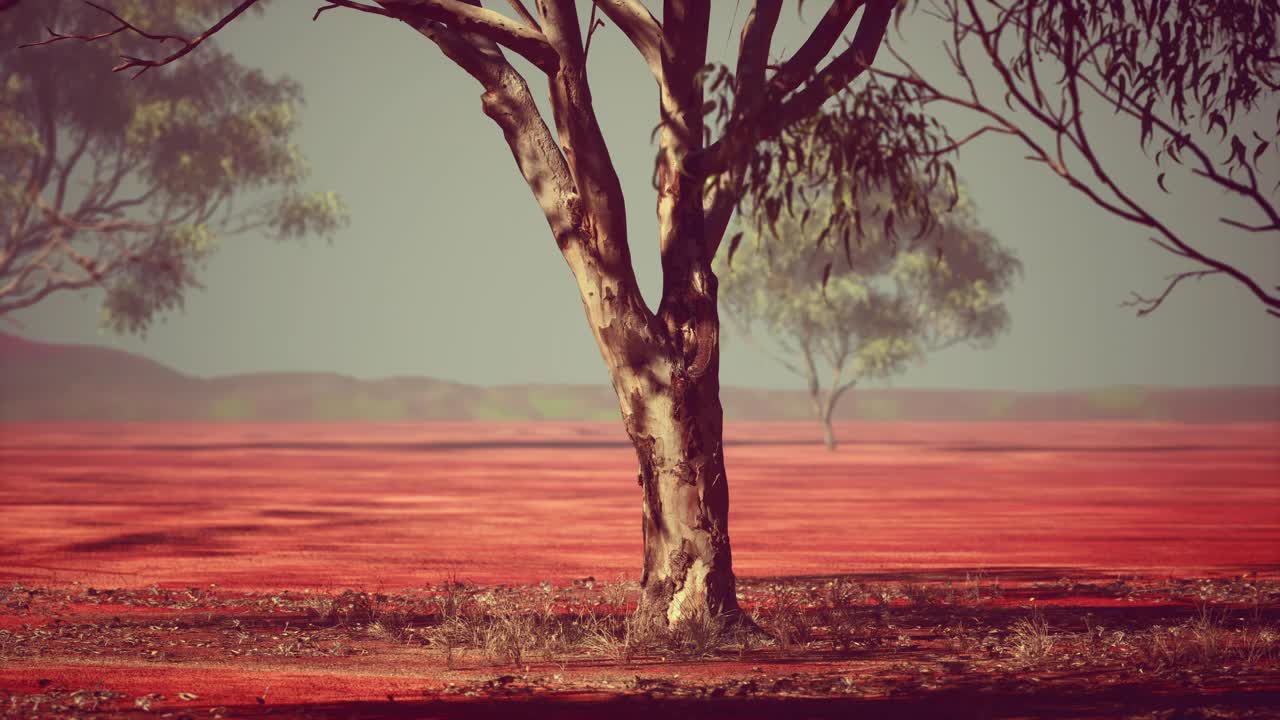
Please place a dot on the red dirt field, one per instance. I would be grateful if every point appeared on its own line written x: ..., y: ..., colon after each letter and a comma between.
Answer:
x: 390, y: 506
x: 1068, y: 519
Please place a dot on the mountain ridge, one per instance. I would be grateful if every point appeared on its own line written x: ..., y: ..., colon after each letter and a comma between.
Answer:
x: 56, y: 381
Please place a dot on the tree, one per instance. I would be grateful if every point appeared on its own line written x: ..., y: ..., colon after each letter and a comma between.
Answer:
x: 1196, y: 80
x: 868, y: 314
x: 129, y: 186
x: 723, y: 134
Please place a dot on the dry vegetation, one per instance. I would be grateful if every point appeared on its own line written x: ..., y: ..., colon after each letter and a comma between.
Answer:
x: 1172, y: 624
x: 844, y: 636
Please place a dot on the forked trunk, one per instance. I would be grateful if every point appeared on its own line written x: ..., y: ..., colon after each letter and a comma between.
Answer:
x: 668, y: 390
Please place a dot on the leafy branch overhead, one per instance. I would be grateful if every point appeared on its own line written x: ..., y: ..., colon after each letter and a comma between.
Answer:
x: 130, y: 185
x: 1196, y: 81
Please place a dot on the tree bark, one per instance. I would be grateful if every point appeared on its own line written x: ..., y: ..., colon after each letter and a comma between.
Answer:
x: 668, y: 392
x: 677, y: 433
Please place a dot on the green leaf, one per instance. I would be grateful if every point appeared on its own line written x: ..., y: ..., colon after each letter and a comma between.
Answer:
x: 733, y: 246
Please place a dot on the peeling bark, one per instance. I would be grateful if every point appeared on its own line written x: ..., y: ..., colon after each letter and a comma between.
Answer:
x: 677, y: 432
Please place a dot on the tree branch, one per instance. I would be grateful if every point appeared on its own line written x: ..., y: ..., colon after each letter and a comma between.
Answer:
x: 124, y: 25
x: 800, y: 66
x: 593, y: 24
x: 753, y: 52
x: 841, y: 71
x: 582, y: 140
x: 143, y: 64
x: 523, y: 12
x: 470, y: 18
x: 509, y: 103
x: 334, y: 4
x: 681, y: 221
x: 1247, y: 227
x: 1147, y: 305
x: 775, y: 112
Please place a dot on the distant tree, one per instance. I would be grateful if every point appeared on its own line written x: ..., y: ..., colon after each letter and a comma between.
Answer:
x: 1197, y: 81
x: 872, y: 312
x: 129, y: 186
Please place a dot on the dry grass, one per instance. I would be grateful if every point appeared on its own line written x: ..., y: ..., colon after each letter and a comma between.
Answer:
x: 698, y: 633
x: 785, y: 619
x: 594, y: 622
x: 620, y: 637
x: 1030, y: 641
x: 1208, y: 639
x: 838, y: 615
x: 977, y: 587
x: 457, y: 615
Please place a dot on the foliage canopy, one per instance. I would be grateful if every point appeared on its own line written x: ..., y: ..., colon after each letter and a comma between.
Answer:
x: 129, y: 185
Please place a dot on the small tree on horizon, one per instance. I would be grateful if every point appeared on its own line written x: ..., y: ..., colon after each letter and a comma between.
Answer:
x: 842, y: 318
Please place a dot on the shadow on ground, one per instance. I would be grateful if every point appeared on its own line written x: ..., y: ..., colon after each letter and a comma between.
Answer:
x: 1017, y: 701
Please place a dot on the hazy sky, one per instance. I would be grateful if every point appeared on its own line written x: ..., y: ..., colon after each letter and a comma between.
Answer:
x: 448, y: 268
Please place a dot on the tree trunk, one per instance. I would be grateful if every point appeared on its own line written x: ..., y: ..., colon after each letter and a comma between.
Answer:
x: 828, y: 436
x: 821, y: 408
x: 669, y: 393
x: 677, y: 433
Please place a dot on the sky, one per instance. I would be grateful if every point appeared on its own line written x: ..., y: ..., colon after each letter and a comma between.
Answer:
x: 448, y: 269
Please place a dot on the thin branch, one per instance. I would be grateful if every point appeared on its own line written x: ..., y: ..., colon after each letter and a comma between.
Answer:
x: 143, y: 64
x: 1074, y: 131
x: 1250, y: 228
x: 956, y: 145
x: 333, y: 4
x: 837, y: 391
x: 592, y: 24
x: 524, y: 14
x: 1147, y: 305
x: 640, y: 27
x: 124, y: 25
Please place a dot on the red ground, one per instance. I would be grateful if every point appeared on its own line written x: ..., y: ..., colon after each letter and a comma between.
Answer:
x: 384, y: 507
x: 390, y: 506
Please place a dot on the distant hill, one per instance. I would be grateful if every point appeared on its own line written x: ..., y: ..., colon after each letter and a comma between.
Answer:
x: 46, y: 381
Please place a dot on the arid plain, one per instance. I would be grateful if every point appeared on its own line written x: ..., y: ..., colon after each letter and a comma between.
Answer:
x: 920, y: 563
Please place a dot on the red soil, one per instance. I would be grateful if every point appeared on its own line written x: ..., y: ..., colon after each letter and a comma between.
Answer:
x: 388, y: 506
x: 330, y: 506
